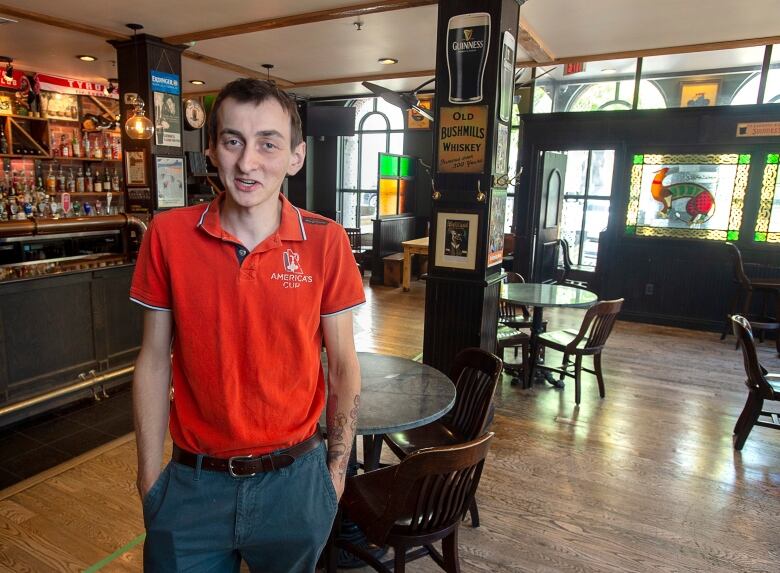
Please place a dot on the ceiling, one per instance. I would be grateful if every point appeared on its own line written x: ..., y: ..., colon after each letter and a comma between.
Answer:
x: 330, y: 56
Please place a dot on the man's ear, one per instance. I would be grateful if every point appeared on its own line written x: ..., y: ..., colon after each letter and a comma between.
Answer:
x: 297, y: 157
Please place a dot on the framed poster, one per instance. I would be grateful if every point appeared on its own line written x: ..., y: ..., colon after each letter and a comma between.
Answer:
x: 462, y: 138
x: 171, y: 190
x: 502, y: 148
x: 135, y: 167
x: 167, y: 119
x: 456, y: 240
x: 699, y: 94
x: 507, y: 76
x: 495, y: 252
x: 416, y: 121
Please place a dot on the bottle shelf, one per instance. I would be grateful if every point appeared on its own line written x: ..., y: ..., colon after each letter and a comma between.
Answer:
x: 22, y: 156
x: 88, y: 159
x: 23, y: 117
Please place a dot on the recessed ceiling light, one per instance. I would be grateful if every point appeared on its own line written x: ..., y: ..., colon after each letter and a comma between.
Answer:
x: 387, y: 61
x: 609, y: 70
x: 197, y: 82
x: 86, y: 58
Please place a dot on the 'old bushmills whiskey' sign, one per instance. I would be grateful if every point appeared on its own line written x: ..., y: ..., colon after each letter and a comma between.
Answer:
x: 462, y: 139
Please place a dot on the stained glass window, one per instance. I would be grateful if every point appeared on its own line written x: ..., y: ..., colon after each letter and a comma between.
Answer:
x: 396, y: 177
x: 768, y: 221
x: 687, y: 196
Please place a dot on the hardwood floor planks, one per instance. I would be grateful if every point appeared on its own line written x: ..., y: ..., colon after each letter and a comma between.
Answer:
x: 645, y: 480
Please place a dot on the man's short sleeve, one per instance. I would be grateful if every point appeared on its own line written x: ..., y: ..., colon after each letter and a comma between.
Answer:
x: 343, y: 288
x: 151, y: 280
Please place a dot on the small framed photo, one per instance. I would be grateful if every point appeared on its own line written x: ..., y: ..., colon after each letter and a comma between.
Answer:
x: 171, y: 189
x: 413, y: 118
x: 135, y: 167
x: 699, y: 94
x: 456, y: 240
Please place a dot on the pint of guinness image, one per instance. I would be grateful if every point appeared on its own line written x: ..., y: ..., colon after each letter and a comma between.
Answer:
x: 468, y: 40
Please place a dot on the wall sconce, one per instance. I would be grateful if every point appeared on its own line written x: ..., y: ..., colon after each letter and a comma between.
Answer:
x: 138, y: 126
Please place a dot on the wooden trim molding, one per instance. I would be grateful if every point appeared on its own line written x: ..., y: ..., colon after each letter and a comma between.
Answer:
x: 61, y: 23
x: 711, y: 46
x: 298, y: 19
x: 249, y: 72
x: 532, y: 46
x: 364, y: 78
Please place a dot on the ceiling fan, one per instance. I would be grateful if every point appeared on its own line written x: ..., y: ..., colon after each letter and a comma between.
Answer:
x: 404, y: 100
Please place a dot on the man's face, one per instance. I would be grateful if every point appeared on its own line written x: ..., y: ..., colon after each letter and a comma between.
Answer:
x: 252, y: 151
x: 170, y: 105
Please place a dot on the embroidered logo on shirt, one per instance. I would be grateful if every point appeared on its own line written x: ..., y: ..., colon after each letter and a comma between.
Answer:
x: 293, y: 275
x: 292, y: 262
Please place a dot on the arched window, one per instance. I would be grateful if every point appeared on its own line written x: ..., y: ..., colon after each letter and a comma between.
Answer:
x: 604, y: 96
x: 747, y: 93
x: 379, y: 127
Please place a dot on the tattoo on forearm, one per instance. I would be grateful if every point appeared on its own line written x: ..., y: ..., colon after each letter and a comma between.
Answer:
x: 341, y: 430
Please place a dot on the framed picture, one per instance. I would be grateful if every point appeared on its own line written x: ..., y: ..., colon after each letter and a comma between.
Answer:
x: 135, y: 167
x: 171, y: 190
x: 699, y: 94
x: 456, y: 240
x: 167, y: 119
x: 416, y: 121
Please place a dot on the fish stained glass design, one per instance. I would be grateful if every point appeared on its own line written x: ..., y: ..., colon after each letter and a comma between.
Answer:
x: 687, y: 196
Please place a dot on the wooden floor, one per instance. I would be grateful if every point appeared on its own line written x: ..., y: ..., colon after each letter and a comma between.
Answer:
x: 645, y: 480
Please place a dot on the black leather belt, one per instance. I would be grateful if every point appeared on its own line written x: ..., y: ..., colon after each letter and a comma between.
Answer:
x: 247, y: 466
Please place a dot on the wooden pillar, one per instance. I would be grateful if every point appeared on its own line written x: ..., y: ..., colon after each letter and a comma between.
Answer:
x: 475, y: 59
x: 151, y: 68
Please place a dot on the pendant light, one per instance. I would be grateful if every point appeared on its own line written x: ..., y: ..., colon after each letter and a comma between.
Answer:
x: 138, y: 126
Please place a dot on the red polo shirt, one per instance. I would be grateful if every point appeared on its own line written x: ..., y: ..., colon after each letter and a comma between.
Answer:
x: 247, y: 376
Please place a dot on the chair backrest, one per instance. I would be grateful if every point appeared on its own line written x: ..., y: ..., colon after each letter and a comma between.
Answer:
x: 476, y: 373
x: 507, y: 310
x: 756, y: 379
x: 563, y: 245
x: 597, y: 324
x: 434, y: 486
x: 354, y: 239
x: 737, y: 265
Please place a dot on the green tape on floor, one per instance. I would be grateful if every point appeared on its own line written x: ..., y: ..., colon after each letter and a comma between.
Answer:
x: 121, y: 551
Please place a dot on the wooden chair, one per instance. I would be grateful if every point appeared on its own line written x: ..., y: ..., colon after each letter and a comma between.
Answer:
x: 414, y: 504
x: 513, y: 319
x: 476, y: 373
x: 761, y: 386
x: 589, y: 340
x: 743, y: 299
x: 565, y: 271
x: 360, y: 253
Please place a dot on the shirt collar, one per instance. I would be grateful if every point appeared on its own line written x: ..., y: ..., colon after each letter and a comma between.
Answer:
x: 290, y: 228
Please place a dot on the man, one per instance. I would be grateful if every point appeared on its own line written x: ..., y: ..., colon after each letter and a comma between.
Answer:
x: 242, y: 293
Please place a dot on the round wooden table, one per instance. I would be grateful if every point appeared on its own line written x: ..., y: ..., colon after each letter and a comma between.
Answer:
x: 545, y: 295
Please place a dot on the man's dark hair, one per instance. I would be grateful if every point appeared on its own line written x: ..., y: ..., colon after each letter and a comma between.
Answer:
x: 250, y: 90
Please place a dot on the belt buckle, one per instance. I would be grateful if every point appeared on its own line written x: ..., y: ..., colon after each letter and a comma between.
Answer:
x: 230, y: 466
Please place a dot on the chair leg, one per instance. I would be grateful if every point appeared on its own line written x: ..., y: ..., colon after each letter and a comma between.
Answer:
x: 474, y: 512
x: 577, y: 376
x: 599, y: 373
x: 563, y: 367
x: 399, y: 562
x: 747, y: 419
x: 449, y: 549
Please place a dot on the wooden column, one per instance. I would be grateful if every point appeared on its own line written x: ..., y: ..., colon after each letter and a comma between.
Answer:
x: 471, y: 153
x: 137, y: 59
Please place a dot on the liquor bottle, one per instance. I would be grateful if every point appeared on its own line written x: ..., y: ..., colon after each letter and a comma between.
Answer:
x: 80, y: 181
x: 3, y: 142
x: 60, y: 180
x: 106, y: 147
x: 70, y: 181
x: 64, y: 146
x: 115, y: 181
x: 97, y: 186
x: 53, y: 147
x: 116, y: 148
x: 88, y: 181
x: 97, y: 150
x: 87, y: 150
x: 75, y: 145
x: 106, y: 181
x: 51, y: 181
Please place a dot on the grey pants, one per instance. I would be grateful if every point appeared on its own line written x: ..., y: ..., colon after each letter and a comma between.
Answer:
x: 278, y: 522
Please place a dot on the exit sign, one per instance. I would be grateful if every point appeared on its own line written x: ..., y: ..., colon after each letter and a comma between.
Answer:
x: 573, y: 68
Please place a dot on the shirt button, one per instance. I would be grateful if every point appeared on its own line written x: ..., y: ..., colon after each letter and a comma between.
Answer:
x: 242, y: 252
